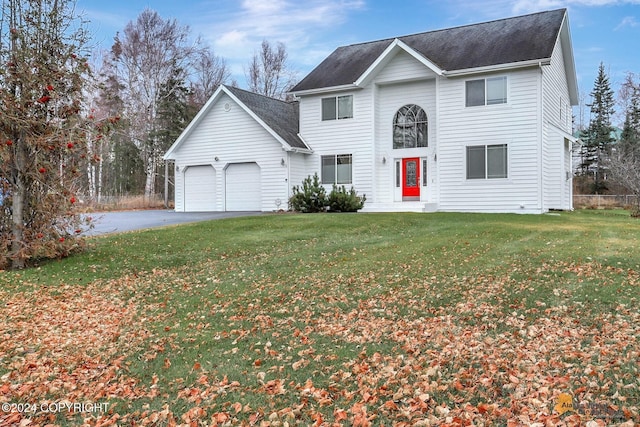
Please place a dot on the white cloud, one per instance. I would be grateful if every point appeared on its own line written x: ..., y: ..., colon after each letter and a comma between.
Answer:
x: 527, y: 6
x: 628, y: 21
x: 296, y: 24
x: 495, y: 9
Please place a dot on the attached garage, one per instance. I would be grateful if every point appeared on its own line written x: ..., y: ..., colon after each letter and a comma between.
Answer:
x: 200, y: 189
x: 241, y: 152
x: 243, y: 187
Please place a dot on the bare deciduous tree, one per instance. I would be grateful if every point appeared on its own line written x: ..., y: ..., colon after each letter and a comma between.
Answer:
x: 209, y: 72
x: 269, y: 73
x: 150, y: 53
x: 624, y: 168
x: 624, y: 163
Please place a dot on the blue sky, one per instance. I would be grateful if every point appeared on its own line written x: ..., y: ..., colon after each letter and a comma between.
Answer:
x: 605, y: 31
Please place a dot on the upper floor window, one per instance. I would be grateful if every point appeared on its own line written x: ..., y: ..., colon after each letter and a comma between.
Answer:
x: 410, y: 127
x: 487, y: 91
x: 337, y: 107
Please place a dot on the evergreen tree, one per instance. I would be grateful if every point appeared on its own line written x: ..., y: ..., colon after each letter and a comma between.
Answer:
x: 630, y: 138
x: 175, y: 111
x: 598, y: 137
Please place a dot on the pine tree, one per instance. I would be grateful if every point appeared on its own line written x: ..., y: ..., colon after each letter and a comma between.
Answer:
x: 175, y: 111
x: 630, y: 138
x: 597, y: 138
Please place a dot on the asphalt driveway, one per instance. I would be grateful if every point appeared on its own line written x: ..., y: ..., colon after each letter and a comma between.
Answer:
x: 121, y: 221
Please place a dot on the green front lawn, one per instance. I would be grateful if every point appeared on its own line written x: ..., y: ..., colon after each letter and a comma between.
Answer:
x: 346, y: 319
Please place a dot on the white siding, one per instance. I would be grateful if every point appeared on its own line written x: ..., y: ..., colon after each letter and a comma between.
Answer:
x: 347, y: 136
x: 516, y: 124
x: 299, y: 168
x: 233, y: 137
x: 557, y: 113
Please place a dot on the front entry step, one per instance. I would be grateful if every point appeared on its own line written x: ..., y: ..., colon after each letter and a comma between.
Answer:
x: 400, y: 207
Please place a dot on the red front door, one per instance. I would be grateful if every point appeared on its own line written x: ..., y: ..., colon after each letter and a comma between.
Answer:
x: 411, y: 178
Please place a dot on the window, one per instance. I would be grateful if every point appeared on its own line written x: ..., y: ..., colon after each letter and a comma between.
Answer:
x: 487, y: 161
x: 424, y: 172
x: 489, y: 91
x: 336, y: 169
x: 410, y: 127
x: 337, y: 107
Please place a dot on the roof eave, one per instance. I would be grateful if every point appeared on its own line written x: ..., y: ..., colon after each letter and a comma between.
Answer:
x: 497, y: 67
x: 565, y: 134
x: 301, y: 150
x: 316, y: 91
x: 569, y: 61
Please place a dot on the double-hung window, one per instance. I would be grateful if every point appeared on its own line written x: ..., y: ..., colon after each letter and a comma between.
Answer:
x: 337, y: 169
x: 337, y: 107
x: 489, y: 91
x: 487, y: 161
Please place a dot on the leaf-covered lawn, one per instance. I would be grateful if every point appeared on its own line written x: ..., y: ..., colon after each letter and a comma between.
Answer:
x: 385, y: 319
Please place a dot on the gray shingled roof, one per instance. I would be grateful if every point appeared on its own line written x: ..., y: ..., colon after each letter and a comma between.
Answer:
x: 505, y: 41
x: 280, y: 116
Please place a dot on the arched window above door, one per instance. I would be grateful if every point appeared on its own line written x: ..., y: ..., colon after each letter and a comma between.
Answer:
x: 410, y: 127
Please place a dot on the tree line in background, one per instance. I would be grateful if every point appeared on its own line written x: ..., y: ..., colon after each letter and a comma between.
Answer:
x: 71, y: 132
x: 157, y: 77
x: 609, y: 160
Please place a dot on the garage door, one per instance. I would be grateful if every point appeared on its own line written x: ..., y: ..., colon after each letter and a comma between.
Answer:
x: 199, y: 189
x: 243, y: 187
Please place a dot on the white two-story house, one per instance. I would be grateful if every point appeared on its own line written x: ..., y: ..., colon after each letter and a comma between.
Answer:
x: 474, y: 118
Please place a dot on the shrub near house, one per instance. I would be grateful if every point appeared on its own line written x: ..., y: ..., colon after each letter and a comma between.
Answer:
x: 312, y: 197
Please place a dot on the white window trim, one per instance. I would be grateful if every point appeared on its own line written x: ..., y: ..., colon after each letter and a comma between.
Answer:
x: 426, y: 122
x: 337, y: 106
x: 335, y: 169
x: 508, y: 95
x: 486, y: 179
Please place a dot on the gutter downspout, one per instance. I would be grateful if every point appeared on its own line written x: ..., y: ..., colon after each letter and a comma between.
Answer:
x: 288, y: 181
x: 541, y: 164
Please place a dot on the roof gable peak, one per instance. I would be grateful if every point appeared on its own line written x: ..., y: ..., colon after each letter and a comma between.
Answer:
x: 395, y: 46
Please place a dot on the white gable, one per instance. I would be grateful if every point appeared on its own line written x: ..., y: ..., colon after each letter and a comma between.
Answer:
x: 389, y: 55
x: 403, y: 67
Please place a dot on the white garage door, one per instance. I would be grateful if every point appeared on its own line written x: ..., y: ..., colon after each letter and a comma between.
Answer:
x: 199, y: 189
x: 243, y: 187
